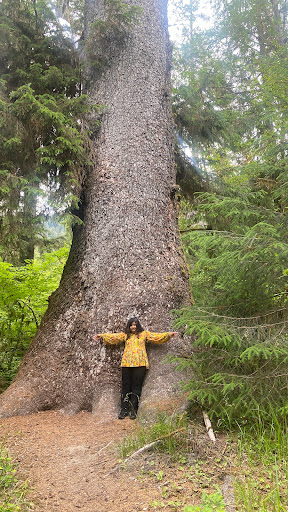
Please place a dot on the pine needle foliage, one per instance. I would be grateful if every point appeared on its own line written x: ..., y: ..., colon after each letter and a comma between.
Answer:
x: 230, y: 89
x: 238, y: 261
x: 43, y: 141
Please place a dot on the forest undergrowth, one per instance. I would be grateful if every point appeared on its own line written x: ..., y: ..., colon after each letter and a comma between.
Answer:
x: 183, y: 472
x: 13, y: 491
x: 255, y: 457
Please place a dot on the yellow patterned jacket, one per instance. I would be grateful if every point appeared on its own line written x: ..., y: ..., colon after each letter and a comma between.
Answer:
x: 135, y: 350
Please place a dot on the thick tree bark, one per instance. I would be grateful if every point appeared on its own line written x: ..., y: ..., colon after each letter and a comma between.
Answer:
x: 126, y: 258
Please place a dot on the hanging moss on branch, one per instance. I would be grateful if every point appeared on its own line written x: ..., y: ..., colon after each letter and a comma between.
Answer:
x: 119, y: 19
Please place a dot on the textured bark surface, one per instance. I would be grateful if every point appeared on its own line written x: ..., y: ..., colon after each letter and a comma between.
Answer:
x: 126, y: 259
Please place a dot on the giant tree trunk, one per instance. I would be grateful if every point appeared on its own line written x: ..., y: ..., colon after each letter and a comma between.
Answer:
x: 126, y: 259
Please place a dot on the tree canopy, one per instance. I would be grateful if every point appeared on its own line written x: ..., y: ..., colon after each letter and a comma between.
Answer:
x: 43, y: 143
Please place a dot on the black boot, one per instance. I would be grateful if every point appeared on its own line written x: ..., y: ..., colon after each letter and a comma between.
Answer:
x: 124, y: 408
x: 122, y: 414
x: 134, y: 402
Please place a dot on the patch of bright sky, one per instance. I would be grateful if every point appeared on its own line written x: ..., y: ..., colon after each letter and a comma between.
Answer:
x: 67, y: 32
x: 204, y: 18
x: 177, y: 23
x: 203, y: 15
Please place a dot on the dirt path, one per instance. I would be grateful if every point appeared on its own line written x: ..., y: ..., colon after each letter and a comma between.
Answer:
x: 69, y: 462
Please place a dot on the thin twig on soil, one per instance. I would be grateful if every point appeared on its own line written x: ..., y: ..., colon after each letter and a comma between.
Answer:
x: 223, y: 451
x: 104, y: 447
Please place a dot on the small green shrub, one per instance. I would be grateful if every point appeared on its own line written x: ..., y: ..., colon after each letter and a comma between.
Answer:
x: 12, y: 492
x: 23, y: 301
x: 210, y: 503
x: 238, y: 364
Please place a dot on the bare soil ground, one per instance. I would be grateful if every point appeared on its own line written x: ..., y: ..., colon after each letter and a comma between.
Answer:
x: 72, y: 464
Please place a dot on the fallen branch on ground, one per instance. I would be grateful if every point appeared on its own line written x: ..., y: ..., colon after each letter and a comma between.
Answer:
x: 149, y: 445
x: 145, y: 448
x: 228, y: 494
x: 209, y: 427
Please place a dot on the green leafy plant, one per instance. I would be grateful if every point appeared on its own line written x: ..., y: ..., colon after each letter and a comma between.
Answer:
x: 157, y: 504
x: 210, y: 503
x: 12, y: 492
x: 23, y: 301
x: 263, y: 450
x: 160, y: 475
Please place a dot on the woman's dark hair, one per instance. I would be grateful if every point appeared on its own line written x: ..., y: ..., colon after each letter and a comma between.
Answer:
x: 139, y: 328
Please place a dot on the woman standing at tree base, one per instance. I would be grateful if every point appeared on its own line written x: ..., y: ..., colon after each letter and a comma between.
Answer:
x: 134, y: 361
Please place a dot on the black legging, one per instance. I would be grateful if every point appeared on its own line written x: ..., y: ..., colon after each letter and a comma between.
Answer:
x: 132, y: 382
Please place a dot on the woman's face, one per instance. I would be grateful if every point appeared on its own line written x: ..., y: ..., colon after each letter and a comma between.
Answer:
x: 133, y: 327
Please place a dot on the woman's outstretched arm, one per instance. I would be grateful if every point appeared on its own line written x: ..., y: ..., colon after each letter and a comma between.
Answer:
x: 159, y: 337
x: 112, y: 339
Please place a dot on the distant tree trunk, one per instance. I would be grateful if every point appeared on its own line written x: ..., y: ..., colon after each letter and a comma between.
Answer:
x: 27, y: 237
x: 126, y: 258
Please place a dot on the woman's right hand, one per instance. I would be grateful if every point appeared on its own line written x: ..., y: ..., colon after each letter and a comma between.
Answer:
x: 96, y: 337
